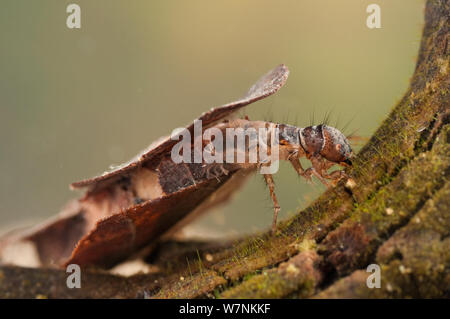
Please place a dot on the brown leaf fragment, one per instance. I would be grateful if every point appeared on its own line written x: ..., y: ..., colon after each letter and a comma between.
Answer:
x: 135, y: 203
x: 116, y: 237
x: 264, y: 87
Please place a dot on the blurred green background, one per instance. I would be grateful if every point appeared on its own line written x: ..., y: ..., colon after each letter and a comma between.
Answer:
x: 73, y: 102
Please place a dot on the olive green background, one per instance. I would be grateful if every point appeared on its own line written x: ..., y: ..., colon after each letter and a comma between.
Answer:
x: 73, y: 102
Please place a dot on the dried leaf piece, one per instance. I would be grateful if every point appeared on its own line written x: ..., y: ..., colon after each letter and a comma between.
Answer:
x: 132, y: 205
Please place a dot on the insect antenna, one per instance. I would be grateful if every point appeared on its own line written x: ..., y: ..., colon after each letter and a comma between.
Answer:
x: 286, y: 117
x: 296, y: 120
x: 352, y: 134
x: 326, y: 118
x: 336, y: 123
x: 357, y: 141
x: 268, y: 117
x: 347, y: 124
x: 311, y: 119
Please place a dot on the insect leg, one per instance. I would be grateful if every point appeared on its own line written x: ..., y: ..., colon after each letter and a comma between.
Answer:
x: 317, y: 169
x: 336, y: 176
x: 320, y: 169
x: 276, y: 207
x: 299, y: 169
x: 312, y: 171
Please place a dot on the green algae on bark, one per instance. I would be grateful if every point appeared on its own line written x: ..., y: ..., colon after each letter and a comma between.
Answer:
x: 299, y: 272
x: 193, y: 286
x: 414, y: 261
x: 351, y: 245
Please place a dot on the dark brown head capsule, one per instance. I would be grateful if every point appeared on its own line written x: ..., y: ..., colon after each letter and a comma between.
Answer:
x: 327, y: 141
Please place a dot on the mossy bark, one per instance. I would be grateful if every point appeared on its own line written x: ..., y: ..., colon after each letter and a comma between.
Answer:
x: 394, y: 212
